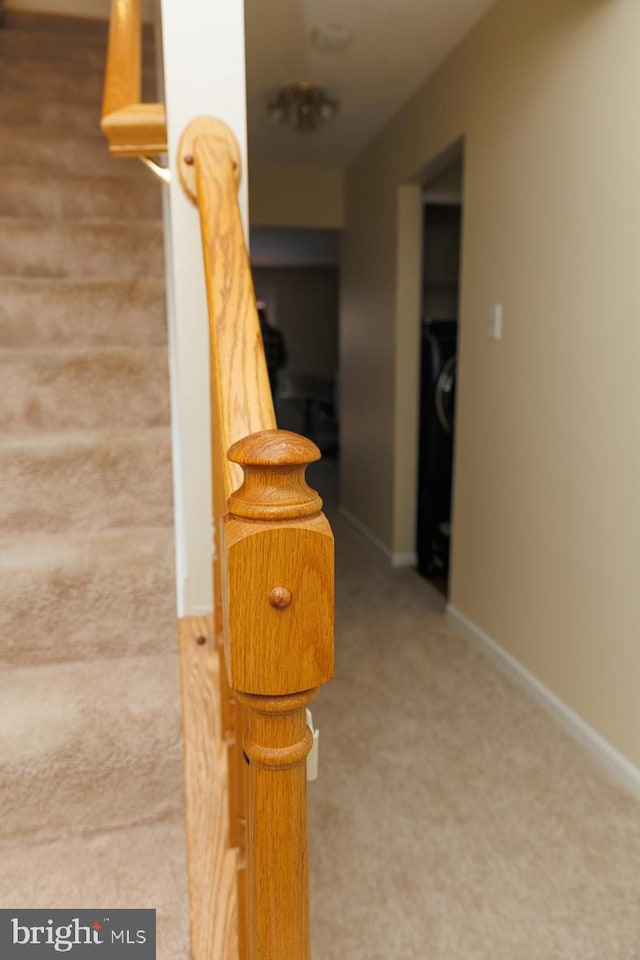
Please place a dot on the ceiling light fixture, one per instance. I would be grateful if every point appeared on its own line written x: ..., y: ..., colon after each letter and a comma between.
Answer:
x: 302, y: 106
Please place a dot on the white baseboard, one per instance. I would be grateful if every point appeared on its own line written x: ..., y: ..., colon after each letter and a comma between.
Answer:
x: 364, y: 530
x: 395, y: 559
x: 603, y: 753
x: 404, y: 559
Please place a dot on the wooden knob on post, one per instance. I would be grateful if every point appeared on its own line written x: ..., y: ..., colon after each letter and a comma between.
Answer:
x: 274, y: 488
x: 280, y: 598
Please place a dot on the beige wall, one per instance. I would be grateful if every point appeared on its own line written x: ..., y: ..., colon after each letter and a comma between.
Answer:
x: 546, y: 516
x: 283, y: 195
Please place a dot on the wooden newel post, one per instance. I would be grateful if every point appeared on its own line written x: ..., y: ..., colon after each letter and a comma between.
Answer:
x: 278, y: 612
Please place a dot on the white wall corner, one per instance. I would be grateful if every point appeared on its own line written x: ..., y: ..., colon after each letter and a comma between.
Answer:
x: 615, y: 764
x: 408, y: 290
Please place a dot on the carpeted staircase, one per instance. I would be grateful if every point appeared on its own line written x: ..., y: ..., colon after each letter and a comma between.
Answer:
x: 90, y: 754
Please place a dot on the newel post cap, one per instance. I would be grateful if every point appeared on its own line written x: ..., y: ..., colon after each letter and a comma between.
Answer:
x: 274, y: 487
x: 277, y: 569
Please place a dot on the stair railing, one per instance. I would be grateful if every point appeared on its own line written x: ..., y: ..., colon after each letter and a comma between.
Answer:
x: 273, y: 584
x: 132, y: 128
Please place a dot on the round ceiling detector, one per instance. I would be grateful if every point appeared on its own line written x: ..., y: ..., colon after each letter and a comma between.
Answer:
x: 331, y: 36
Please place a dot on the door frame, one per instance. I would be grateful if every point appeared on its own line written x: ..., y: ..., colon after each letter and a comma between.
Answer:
x: 408, y: 308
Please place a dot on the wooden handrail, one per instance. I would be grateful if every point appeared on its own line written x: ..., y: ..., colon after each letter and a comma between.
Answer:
x: 235, y: 343
x: 273, y: 573
x: 272, y: 569
x: 132, y: 128
x: 240, y: 392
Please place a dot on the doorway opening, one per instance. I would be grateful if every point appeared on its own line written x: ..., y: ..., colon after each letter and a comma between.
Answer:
x: 296, y: 281
x: 441, y: 244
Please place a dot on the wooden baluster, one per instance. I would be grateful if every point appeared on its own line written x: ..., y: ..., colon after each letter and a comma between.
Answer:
x: 232, y: 724
x: 211, y: 863
x: 278, y: 612
x: 232, y: 718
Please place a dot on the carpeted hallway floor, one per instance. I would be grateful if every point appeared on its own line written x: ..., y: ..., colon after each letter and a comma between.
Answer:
x: 90, y: 755
x: 451, y: 820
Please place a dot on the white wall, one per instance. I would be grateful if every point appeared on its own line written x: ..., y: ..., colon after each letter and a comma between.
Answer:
x: 204, y: 71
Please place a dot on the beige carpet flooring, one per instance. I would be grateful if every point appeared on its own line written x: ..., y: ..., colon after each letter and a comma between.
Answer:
x: 452, y: 819
x: 90, y: 754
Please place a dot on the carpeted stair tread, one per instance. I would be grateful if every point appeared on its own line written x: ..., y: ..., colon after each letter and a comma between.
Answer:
x: 31, y: 73
x: 24, y: 44
x: 21, y: 109
x: 74, y: 81
x: 37, y: 312
x: 78, y: 29
x: 28, y: 146
x: 33, y: 191
x: 66, y: 248
x: 91, y: 794
x: 70, y: 731
x: 86, y: 596
x: 73, y: 389
x: 85, y: 480
x: 134, y: 867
